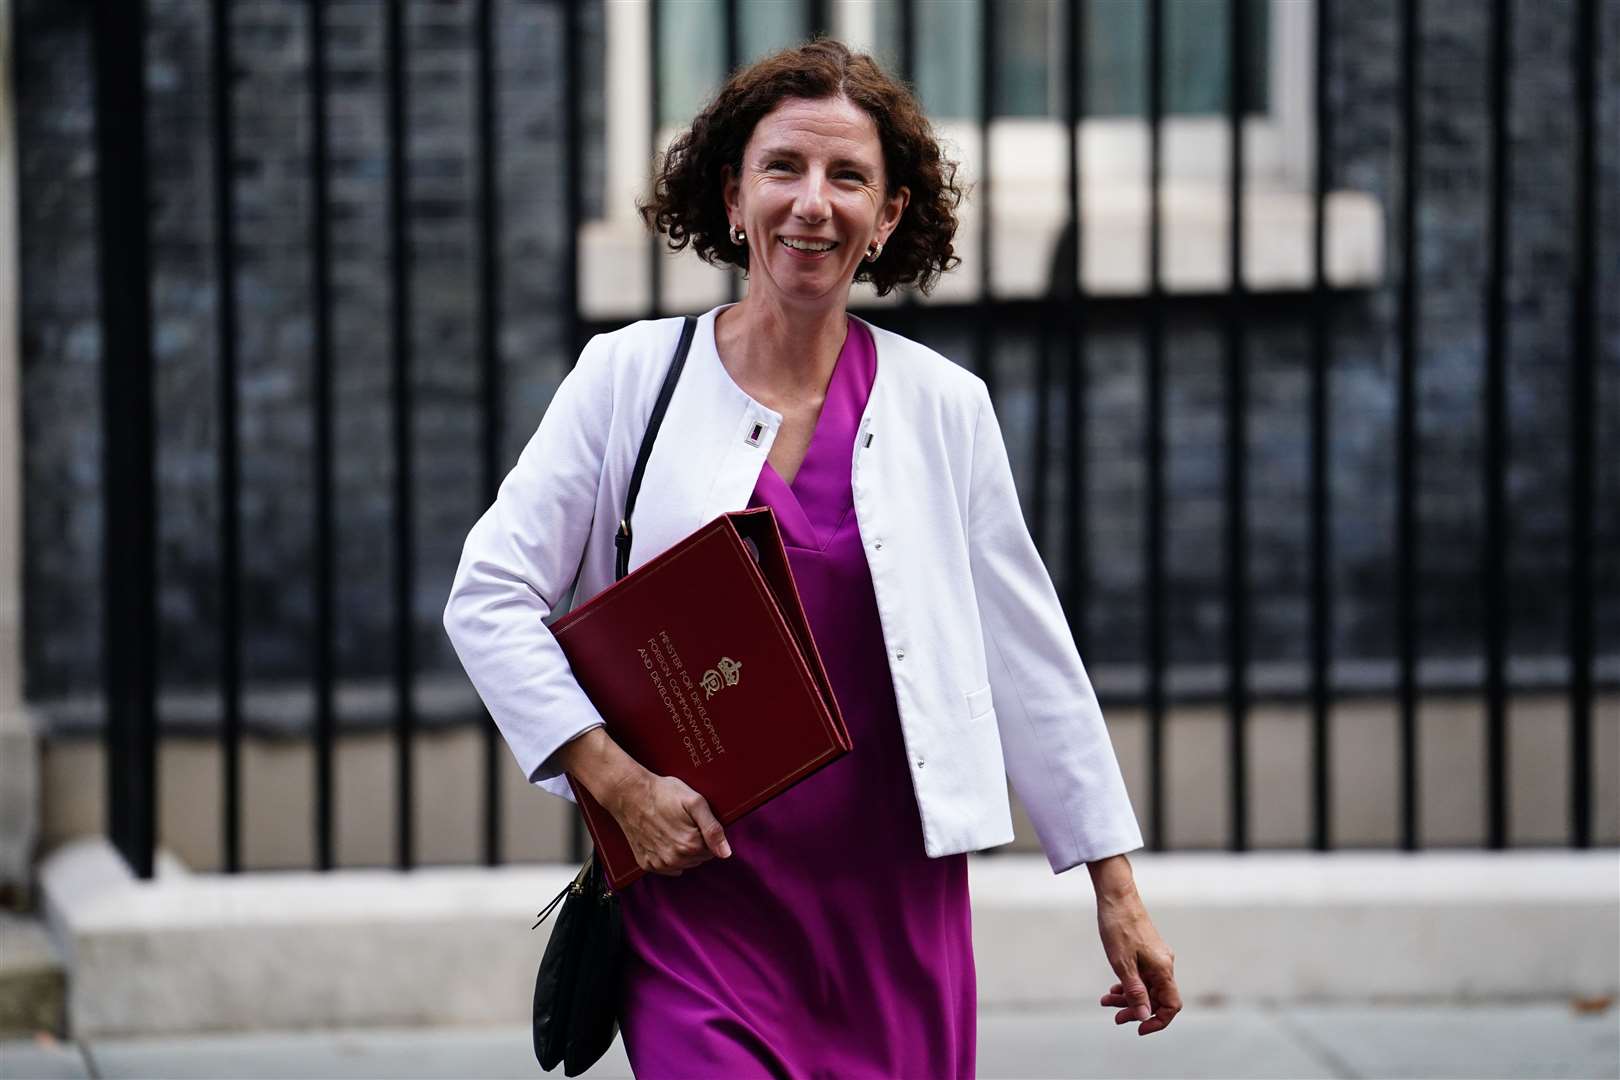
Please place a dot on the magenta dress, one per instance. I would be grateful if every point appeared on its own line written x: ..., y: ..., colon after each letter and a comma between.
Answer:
x: 829, y: 944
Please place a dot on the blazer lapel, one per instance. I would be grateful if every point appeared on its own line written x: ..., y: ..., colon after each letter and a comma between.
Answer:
x: 708, y: 453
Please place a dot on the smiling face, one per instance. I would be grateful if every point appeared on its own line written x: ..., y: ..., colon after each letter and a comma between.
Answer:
x: 812, y: 197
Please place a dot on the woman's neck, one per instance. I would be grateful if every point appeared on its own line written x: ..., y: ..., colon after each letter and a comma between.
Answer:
x: 778, y: 352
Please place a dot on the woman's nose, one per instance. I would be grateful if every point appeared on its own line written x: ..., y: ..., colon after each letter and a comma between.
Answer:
x: 811, y: 205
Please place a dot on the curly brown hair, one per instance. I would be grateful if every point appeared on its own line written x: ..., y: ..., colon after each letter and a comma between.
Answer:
x: 686, y: 202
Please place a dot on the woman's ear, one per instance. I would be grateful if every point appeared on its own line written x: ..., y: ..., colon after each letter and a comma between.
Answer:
x: 730, y: 186
x: 893, y: 208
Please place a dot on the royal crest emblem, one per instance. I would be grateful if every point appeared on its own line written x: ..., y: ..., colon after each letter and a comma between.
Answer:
x: 725, y: 673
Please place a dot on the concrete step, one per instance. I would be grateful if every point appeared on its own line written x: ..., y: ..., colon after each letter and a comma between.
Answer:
x: 186, y: 952
x: 33, y: 978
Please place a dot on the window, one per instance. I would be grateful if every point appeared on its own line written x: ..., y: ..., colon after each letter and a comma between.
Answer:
x: 1032, y: 56
x: 1028, y: 141
x: 693, y: 50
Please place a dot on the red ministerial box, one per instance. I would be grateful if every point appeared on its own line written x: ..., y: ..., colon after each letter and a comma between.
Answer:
x: 703, y: 668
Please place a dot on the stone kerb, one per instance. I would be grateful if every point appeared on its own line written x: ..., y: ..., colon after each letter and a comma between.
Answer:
x: 196, y: 952
x: 203, y: 952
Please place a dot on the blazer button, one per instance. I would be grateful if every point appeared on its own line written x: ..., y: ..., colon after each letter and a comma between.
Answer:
x: 878, y: 545
x: 899, y: 654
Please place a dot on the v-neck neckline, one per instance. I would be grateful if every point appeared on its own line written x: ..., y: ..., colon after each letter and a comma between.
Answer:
x: 801, y: 520
x: 828, y: 393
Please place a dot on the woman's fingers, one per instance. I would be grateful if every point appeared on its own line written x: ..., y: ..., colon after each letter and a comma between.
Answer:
x: 674, y: 859
x: 708, y: 826
x: 1154, y: 1009
x: 1135, y: 999
x: 1163, y: 992
x: 1163, y: 1012
x: 1164, y: 1005
x: 672, y: 829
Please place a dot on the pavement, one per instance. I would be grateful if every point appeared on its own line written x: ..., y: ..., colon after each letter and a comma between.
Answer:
x: 1530, y: 1040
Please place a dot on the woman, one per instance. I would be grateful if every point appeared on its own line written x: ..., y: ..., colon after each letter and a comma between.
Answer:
x: 827, y: 933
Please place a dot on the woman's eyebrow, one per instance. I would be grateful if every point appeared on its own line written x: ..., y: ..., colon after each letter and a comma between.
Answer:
x: 794, y: 155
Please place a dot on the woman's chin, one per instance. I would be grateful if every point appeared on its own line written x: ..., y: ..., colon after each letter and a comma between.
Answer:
x: 810, y: 285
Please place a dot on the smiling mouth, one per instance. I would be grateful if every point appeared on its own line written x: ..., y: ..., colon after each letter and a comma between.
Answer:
x: 807, y: 247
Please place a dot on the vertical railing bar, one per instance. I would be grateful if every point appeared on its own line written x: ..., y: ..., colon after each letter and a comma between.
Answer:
x: 1153, y: 330
x: 321, y: 380
x: 1406, y: 441
x: 1045, y: 329
x: 1494, y: 570
x: 817, y: 18
x: 230, y: 552
x: 574, y: 173
x: 573, y: 194
x: 1321, y: 492
x: 489, y: 357
x: 1076, y: 549
x: 732, y: 32
x: 908, y: 43
x: 129, y: 615
x: 1237, y: 419
x: 982, y: 358
x: 1582, y: 402
x: 733, y: 38
x: 404, y: 555
x: 655, y: 103
x: 908, y: 74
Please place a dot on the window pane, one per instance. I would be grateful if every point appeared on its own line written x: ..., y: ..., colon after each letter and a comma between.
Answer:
x: 948, y: 57
x: 768, y: 25
x: 1031, y: 55
x: 1195, y: 68
x: 692, y: 51
x: 1028, y: 52
x: 886, y: 35
x: 1115, y: 42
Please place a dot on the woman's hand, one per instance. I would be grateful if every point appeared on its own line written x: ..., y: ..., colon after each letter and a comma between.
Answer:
x: 1145, y: 965
x: 670, y: 826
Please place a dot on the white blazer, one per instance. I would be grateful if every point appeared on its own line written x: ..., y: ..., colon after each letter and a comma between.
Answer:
x: 986, y: 675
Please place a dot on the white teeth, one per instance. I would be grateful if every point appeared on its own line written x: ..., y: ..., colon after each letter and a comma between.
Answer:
x: 809, y: 245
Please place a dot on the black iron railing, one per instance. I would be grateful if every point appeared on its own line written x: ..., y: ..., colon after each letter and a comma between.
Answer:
x: 1066, y: 316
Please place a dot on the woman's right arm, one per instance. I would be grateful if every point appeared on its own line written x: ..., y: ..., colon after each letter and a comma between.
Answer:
x: 519, y: 558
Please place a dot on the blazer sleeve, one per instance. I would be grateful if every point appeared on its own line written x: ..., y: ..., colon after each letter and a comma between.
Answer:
x: 519, y: 561
x: 1056, y: 746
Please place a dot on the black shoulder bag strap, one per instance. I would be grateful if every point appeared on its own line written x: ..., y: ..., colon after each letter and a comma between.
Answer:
x: 622, y: 540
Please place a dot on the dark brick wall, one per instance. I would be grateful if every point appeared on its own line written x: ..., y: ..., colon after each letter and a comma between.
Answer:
x: 272, y: 192
x: 61, y: 347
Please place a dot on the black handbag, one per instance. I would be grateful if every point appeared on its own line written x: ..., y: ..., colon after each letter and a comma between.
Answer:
x: 576, y: 991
